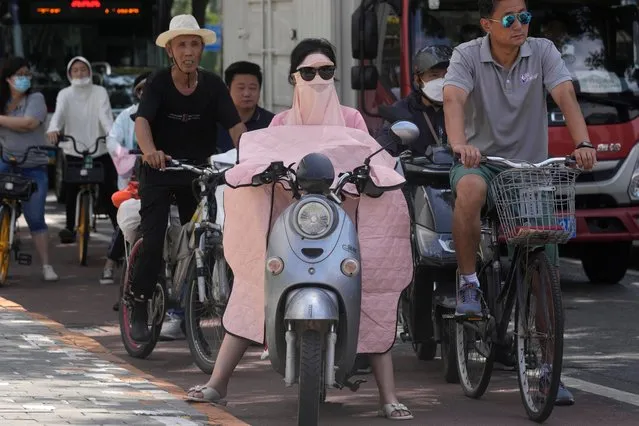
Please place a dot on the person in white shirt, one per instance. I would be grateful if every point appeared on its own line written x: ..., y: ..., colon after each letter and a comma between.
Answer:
x: 83, y: 111
x: 120, y: 140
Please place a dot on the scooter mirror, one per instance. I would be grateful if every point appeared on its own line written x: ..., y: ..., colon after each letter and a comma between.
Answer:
x: 406, y: 131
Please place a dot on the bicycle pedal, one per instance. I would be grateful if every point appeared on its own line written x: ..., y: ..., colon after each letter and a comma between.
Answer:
x: 24, y: 259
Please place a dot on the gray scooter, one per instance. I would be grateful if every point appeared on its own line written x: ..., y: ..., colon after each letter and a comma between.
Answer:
x: 426, y: 305
x: 313, y: 280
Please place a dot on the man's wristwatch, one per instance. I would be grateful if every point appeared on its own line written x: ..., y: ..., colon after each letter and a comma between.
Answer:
x: 585, y: 144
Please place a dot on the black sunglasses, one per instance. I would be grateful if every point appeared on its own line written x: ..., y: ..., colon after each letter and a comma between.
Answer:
x: 308, y: 73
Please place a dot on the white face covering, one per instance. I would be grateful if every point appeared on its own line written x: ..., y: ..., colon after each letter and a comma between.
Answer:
x: 434, y: 90
x: 81, y: 81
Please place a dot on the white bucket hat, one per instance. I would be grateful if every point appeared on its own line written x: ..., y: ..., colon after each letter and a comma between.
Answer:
x: 185, y: 25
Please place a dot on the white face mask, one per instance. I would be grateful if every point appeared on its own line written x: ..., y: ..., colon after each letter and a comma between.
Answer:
x: 81, y: 81
x: 434, y: 90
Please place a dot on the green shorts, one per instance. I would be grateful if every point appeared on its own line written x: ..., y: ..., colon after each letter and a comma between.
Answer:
x: 488, y: 173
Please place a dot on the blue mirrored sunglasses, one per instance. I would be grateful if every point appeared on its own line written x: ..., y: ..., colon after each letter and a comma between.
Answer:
x: 508, y: 20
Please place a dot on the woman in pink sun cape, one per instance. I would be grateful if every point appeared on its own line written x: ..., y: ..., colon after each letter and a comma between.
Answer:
x: 315, y: 102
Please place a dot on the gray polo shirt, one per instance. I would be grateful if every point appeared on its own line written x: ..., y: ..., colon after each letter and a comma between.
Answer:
x: 506, y: 113
x: 16, y: 143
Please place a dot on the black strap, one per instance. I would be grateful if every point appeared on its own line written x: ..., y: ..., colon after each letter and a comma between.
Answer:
x: 432, y: 129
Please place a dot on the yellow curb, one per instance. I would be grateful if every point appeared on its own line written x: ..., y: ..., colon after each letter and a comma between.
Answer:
x: 216, y: 415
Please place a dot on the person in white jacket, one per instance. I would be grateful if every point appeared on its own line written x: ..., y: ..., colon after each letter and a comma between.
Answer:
x: 120, y: 140
x: 83, y: 111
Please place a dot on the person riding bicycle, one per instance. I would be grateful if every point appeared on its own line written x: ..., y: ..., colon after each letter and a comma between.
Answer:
x: 119, y: 141
x: 177, y: 117
x: 22, y: 116
x: 495, y: 102
x: 83, y: 111
x: 424, y: 104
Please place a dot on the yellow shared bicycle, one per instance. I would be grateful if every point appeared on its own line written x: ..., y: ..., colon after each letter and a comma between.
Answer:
x: 14, y: 189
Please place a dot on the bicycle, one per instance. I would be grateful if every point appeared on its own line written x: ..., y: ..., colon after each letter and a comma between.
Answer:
x: 89, y: 175
x: 14, y: 189
x: 195, y: 274
x: 534, y: 204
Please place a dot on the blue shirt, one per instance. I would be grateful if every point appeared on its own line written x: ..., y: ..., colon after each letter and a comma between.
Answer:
x: 261, y: 119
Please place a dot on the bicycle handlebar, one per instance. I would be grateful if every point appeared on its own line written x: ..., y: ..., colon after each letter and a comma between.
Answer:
x: 568, y: 161
x: 175, y: 165
x: 64, y: 138
x: 15, y: 162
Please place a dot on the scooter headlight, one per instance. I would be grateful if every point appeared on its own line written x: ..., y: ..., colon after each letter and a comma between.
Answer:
x: 314, y: 219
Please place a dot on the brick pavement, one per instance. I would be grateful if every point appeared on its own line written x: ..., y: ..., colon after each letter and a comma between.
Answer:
x: 47, y: 379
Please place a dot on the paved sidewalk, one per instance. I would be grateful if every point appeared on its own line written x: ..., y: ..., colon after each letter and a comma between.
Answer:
x: 47, y: 377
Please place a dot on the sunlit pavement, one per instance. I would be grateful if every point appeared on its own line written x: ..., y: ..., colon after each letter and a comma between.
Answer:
x: 601, y: 362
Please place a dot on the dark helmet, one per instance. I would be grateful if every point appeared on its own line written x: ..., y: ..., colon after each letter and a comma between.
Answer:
x: 431, y: 57
x: 315, y: 173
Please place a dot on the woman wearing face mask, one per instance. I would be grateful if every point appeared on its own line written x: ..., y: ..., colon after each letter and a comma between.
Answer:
x: 83, y: 111
x: 315, y: 102
x: 22, y: 116
x: 425, y: 103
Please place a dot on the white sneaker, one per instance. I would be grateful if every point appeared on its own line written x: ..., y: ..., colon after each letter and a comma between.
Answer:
x: 107, y: 276
x: 171, y: 327
x: 264, y: 355
x: 48, y: 273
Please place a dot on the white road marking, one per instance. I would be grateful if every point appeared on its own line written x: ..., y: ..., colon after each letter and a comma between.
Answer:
x: 593, y: 388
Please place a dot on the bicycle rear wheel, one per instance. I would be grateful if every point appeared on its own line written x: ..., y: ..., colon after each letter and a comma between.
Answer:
x: 5, y: 243
x: 156, y: 310
x: 539, y: 325
x: 84, y: 227
x: 475, y: 350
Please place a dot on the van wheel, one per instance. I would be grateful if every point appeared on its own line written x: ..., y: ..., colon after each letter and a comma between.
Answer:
x: 606, y: 263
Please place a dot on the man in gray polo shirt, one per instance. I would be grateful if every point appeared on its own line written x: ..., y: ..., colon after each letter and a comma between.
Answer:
x: 495, y: 104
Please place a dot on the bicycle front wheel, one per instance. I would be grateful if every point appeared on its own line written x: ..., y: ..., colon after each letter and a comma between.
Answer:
x: 5, y: 243
x: 539, y: 325
x: 474, y: 346
x: 84, y: 227
x: 204, y: 310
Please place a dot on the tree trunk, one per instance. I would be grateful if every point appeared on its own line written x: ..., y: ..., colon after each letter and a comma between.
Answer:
x: 199, y: 10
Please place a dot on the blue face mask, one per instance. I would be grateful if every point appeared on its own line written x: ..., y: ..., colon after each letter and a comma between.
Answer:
x: 22, y: 83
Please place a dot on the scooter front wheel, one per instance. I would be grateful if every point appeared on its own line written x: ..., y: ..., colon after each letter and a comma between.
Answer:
x: 449, y: 350
x: 310, y: 380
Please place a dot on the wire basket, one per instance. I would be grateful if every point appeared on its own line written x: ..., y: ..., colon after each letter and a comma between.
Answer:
x: 76, y: 173
x: 536, y: 205
x: 16, y: 187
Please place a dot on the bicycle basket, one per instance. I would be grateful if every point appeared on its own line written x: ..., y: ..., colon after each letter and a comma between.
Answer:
x: 16, y: 187
x: 74, y: 172
x: 536, y: 205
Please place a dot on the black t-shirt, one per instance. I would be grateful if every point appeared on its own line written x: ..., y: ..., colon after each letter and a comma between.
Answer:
x: 185, y: 127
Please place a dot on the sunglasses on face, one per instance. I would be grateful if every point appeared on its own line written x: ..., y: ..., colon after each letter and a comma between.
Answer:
x: 308, y: 73
x: 507, y: 21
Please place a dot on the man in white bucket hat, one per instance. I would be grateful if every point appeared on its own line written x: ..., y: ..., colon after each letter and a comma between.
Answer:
x: 177, y: 118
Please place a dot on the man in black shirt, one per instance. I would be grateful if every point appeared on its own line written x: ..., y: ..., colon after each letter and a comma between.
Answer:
x: 177, y: 118
x: 424, y: 106
x: 244, y: 80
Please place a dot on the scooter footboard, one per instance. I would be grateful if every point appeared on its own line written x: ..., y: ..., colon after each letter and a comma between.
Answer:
x: 311, y: 303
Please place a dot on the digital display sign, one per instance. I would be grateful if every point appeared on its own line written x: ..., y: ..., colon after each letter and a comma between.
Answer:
x: 86, y: 9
